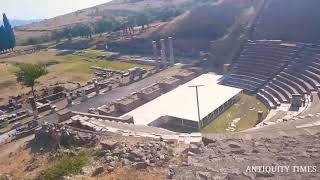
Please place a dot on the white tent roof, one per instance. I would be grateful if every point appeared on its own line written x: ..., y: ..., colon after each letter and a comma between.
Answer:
x: 181, y: 102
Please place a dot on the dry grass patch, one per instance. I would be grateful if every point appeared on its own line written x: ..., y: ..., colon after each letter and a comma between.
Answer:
x: 66, y: 164
x: 246, y: 109
x: 62, y: 70
x: 38, y: 57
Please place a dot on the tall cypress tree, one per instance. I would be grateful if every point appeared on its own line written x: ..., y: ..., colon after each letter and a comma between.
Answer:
x: 3, y: 39
x: 10, y: 34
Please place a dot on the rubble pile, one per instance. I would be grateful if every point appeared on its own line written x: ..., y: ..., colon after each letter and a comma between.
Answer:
x: 62, y: 135
x: 139, y: 155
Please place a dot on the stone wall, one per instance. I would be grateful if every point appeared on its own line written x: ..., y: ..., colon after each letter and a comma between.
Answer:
x: 169, y: 84
x: 43, y: 107
x: 149, y: 93
x: 137, y: 99
x: 66, y: 114
x: 52, y: 98
x: 127, y: 119
x: 109, y: 110
x: 185, y: 76
x: 129, y: 103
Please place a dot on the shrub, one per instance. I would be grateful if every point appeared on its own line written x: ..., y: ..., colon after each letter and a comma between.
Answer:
x: 66, y: 164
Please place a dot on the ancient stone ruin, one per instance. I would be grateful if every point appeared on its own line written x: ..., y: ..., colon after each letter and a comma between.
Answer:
x: 277, y: 71
x: 57, y: 134
x: 166, y: 53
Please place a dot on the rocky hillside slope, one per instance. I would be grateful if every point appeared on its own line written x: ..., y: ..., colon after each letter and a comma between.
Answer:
x: 289, y: 20
x: 263, y: 158
x: 194, y: 29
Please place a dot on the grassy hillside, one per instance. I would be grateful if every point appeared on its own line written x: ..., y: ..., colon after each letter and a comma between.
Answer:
x: 114, y: 9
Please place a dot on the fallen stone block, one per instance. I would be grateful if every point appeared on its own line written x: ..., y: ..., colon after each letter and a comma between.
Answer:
x: 140, y: 165
x: 98, y: 170
x: 234, y: 145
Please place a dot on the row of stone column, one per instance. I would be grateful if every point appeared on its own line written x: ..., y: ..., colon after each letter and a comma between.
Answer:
x: 163, y: 53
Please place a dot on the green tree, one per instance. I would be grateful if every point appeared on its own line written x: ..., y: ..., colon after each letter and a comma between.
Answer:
x: 116, y: 25
x: 67, y: 32
x: 131, y: 23
x: 27, y: 74
x: 9, y: 31
x: 142, y: 20
x: 105, y: 25
x: 82, y: 30
x: 57, y: 35
x: 3, y: 39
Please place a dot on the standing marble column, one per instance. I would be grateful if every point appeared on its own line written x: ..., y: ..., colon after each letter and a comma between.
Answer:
x: 170, y: 39
x: 155, y: 49
x: 155, y: 54
x: 163, y: 53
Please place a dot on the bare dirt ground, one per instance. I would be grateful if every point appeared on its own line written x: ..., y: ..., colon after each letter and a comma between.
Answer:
x: 14, y: 146
x: 15, y: 158
x: 8, y: 88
